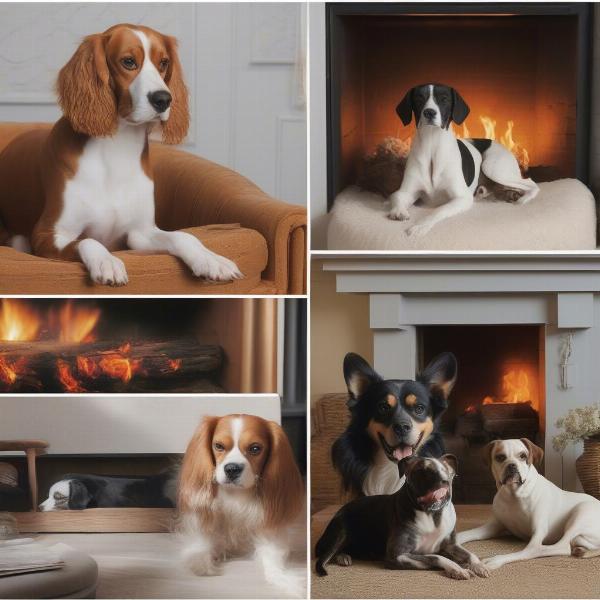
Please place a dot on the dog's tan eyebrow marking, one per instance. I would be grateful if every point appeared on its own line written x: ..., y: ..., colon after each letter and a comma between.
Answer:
x: 410, y: 400
x: 392, y: 400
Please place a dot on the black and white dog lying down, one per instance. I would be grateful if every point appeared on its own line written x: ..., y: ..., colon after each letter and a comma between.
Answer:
x: 445, y: 172
x: 415, y: 528
x: 77, y: 491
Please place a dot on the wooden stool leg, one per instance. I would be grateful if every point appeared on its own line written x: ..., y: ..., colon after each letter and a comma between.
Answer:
x: 31, y: 472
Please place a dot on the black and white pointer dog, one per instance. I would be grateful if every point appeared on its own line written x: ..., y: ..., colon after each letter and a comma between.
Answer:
x: 445, y: 172
x: 77, y: 491
x: 390, y: 420
x: 411, y: 529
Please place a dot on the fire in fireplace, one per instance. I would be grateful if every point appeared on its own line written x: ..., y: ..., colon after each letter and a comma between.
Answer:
x: 499, y: 394
x: 523, y: 70
x: 76, y: 346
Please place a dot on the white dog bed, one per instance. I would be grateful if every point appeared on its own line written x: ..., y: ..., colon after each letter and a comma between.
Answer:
x: 561, y: 217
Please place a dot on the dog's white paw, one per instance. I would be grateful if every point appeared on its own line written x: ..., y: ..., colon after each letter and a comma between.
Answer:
x: 418, y: 230
x: 492, y: 563
x: 398, y: 214
x: 202, y: 563
x: 459, y: 573
x: 214, y: 267
x: 103, y: 267
x: 479, y: 569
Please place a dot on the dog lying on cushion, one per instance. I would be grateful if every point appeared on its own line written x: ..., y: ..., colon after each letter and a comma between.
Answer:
x: 444, y: 171
x: 411, y: 529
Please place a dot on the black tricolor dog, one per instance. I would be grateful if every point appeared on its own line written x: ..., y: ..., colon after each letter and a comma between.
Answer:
x: 77, y: 491
x: 390, y: 420
x: 411, y: 529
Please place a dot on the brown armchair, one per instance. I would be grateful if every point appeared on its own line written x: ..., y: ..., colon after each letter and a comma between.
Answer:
x: 227, y: 212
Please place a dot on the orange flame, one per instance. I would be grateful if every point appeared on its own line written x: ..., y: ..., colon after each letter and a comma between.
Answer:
x: 120, y: 367
x: 175, y: 364
x: 18, y: 322
x: 506, y: 139
x: 10, y: 371
x: 77, y: 322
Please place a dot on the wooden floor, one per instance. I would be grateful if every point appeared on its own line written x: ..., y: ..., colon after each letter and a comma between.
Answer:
x: 146, y: 565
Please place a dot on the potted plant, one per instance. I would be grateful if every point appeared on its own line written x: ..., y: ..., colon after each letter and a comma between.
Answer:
x: 583, y: 424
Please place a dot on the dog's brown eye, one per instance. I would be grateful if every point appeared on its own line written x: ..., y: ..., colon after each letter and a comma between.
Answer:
x: 384, y: 407
x: 500, y: 457
x: 254, y: 449
x: 59, y: 496
x: 522, y: 456
x: 164, y: 64
x: 419, y: 409
x: 219, y: 447
x: 129, y: 63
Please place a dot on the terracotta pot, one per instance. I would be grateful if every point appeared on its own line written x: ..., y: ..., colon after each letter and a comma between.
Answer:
x: 588, y: 466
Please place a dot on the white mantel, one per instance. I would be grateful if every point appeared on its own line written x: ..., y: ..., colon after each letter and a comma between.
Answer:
x: 561, y: 293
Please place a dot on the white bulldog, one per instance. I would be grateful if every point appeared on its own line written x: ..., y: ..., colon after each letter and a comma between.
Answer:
x: 553, y: 522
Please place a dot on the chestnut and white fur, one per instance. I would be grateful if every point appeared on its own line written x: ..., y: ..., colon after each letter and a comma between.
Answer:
x: 445, y: 172
x: 554, y: 522
x: 240, y: 491
x: 85, y: 187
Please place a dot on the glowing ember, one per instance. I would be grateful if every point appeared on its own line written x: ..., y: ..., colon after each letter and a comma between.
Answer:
x: 175, y: 364
x: 10, y: 371
x: 77, y: 323
x: 120, y: 367
x: 18, y: 322
x: 67, y: 379
x: 86, y: 366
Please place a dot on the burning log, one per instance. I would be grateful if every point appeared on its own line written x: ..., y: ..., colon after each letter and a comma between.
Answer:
x: 106, y: 366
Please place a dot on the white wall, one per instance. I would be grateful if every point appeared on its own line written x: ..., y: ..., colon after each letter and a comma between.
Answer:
x: 243, y: 65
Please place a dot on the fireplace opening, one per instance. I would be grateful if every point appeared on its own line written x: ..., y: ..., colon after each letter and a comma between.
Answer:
x: 499, y: 394
x: 523, y: 72
x: 146, y: 346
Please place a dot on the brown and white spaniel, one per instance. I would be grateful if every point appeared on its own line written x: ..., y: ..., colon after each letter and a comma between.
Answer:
x: 240, y: 491
x: 85, y: 187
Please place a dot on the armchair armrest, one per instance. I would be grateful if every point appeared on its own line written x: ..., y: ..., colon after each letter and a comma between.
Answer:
x: 192, y: 191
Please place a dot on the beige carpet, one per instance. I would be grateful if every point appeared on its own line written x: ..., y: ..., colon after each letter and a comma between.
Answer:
x: 539, y: 578
x: 561, y: 217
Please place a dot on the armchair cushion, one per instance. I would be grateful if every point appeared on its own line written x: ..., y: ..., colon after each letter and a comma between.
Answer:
x: 268, y: 241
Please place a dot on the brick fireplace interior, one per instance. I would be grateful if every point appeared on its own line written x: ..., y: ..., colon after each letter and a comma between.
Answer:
x: 499, y: 394
x: 520, y: 74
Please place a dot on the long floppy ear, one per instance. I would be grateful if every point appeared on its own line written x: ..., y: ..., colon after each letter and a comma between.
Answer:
x: 405, y: 109
x: 196, y: 479
x: 359, y: 375
x: 175, y: 128
x: 281, y: 487
x: 79, y: 497
x: 535, y: 455
x: 486, y: 453
x: 439, y: 376
x: 460, y: 109
x: 84, y: 91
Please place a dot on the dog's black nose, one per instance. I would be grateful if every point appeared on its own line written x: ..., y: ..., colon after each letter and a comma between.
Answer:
x: 511, y: 467
x: 160, y: 100
x: 233, y: 470
x: 429, y: 113
x: 402, y: 428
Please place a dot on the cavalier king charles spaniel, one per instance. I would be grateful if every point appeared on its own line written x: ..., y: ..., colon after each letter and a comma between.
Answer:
x: 240, y: 491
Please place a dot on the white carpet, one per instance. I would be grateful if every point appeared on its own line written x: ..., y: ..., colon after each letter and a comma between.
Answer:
x: 561, y: 217
x: 146, y: 565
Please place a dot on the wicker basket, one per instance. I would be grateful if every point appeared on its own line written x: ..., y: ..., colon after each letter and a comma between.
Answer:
x: 588, y: 466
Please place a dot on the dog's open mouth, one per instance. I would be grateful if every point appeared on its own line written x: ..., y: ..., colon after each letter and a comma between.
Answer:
x: 434, y: 496
x: 401, y: 451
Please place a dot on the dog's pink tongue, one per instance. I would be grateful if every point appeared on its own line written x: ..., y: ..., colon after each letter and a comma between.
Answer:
x: 402, y: 452
x: 434, y: 496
